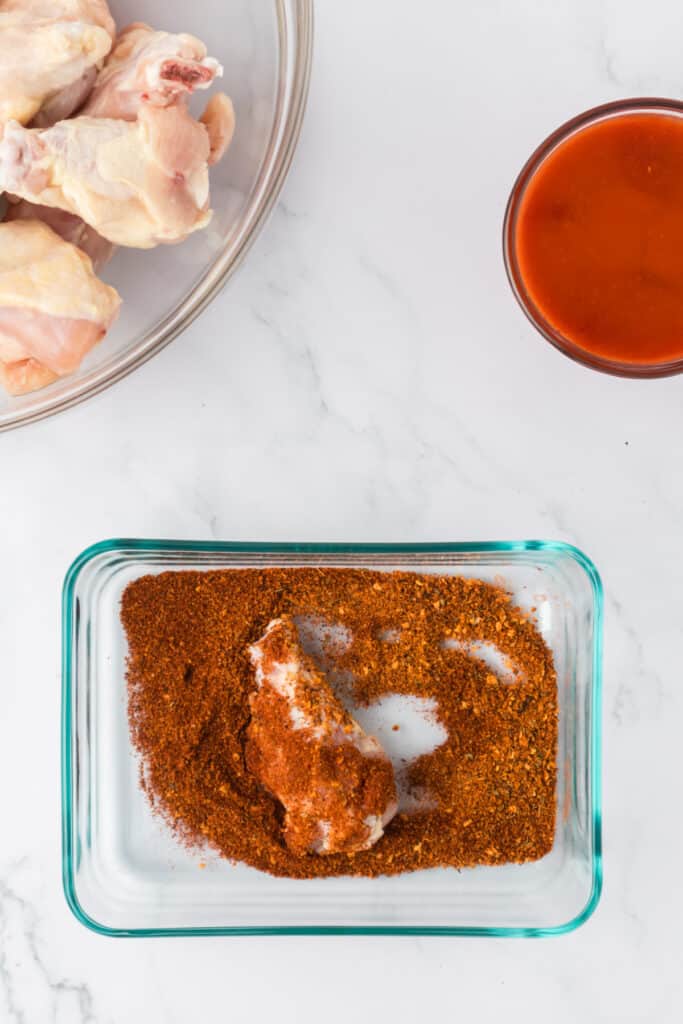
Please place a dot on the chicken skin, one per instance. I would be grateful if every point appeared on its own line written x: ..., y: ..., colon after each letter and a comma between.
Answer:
x: 53, y: 309
x: 49, y: 54
x: 137, y: 184
x: 335, y: 782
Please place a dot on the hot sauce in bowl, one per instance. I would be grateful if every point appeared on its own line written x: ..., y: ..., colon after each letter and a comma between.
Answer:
x: 594, y: 238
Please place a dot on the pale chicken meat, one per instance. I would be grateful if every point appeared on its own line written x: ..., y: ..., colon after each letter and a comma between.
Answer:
x: 147, y: 66
x: 50, y: 51
x: 138, y: 184
x: 53, y: 309
x: 334, y: 781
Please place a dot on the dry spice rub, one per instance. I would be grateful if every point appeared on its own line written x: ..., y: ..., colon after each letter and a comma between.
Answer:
x: 491, y: 784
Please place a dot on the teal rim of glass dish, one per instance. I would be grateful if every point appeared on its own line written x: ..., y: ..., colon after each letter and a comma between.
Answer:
x: 237, y: 548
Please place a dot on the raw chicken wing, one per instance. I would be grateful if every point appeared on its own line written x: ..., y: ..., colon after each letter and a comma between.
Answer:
x: 161, y: 69
x: 49, y: 48
x: 53, y: 309
x: 151, y: 67
x: 136, y: 183
x: 144, y: 67
x: 334, y: 781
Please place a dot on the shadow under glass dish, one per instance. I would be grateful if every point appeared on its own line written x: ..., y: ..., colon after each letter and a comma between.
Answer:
x: 124, y: 872
x: 265, y: 47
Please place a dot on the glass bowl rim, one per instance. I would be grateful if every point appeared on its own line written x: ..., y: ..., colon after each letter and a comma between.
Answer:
x: 244, y: 547
x: 603, y: 112
x: 277, y: 165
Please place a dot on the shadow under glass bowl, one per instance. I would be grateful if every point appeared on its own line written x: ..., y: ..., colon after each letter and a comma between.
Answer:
x: 608, y: 111
x: 265, y: 47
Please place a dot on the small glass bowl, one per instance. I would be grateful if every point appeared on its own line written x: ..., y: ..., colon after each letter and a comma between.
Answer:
x: 266, y: 48
x: 124, y: 873
x: 549, y: 332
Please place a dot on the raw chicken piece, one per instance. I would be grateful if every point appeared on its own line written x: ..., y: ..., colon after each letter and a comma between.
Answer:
x: 151, y: 67
x: 25, y: 375
x: 334, y: 781
x: 219, y: 118
x: 53, y: 309
x: 144, y: 66
x: 46, y: 47
x: 91, y: 12
x: 69, y: 227
x: 160, y: 69
x: 137, y: 183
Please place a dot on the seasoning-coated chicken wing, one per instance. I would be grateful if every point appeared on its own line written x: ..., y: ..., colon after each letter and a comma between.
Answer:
x: 335, y: 782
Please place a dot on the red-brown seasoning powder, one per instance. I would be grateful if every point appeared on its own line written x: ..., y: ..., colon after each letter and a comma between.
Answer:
x: 493, y: 781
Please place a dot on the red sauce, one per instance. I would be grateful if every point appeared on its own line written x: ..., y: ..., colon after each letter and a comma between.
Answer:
x: 599, y: 238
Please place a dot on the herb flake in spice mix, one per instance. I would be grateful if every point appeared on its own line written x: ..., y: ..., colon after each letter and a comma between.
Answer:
x: 491, y: 784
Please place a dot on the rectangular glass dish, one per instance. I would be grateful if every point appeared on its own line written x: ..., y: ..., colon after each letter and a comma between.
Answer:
x: 125, y: 874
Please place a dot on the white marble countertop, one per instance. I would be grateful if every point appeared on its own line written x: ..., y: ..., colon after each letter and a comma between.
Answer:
x: 368, y: 376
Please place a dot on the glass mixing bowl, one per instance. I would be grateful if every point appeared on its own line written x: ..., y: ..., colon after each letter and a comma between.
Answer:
x: 265, y: 47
